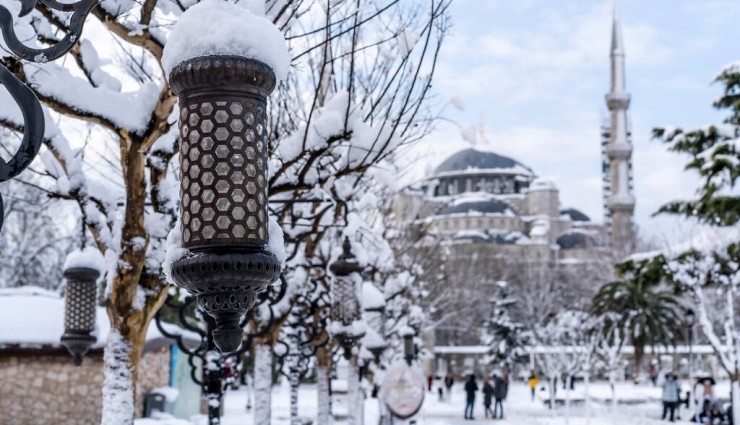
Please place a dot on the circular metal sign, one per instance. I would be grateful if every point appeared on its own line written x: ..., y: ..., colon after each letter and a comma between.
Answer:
x: 403, y: 390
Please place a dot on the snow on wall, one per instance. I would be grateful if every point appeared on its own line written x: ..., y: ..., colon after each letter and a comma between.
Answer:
x: 240, y: 32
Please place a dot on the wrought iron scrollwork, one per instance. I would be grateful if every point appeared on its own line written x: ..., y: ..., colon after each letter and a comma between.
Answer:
x: 33, y: 114
x: 79, y: 11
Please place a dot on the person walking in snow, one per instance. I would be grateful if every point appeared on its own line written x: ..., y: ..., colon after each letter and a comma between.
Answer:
x: 470, y: 388
x: 500, y: 388
x: 670, y: 396
x: 487, y: 396
x: 448, y: 385
x: 533, y: 381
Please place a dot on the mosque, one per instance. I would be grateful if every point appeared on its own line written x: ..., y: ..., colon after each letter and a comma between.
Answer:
x: 496, y: 220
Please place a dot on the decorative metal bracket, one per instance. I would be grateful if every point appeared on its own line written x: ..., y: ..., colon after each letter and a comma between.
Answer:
x: 33, y: 114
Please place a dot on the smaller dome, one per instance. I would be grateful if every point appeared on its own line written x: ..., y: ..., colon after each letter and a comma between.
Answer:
x: 575, y: 215
x: 542, y: 184
x: 489, y: 206
x: 575, y: 240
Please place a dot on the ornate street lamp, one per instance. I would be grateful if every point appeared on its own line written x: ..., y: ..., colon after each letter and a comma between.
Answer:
x: 223, y: 161
x: 690, y: 321
x: 80, y: 302
x: 409, y: 349
x: 345, y: 310
x: 223, y: 188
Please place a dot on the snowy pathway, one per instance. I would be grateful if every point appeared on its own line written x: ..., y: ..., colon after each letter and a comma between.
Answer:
x: 519, y: 409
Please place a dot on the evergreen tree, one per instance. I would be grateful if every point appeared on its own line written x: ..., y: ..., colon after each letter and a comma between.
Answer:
x: 715, y: 156
x: 506, y: 337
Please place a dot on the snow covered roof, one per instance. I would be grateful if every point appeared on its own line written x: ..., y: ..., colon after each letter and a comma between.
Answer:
x: 490, y: 236
x: 574, y: 214
x: 462, y: 349
x: 372, y: 340
x: 372, y: 298
x: 482, y: 206
x: 481, y: 160
x: 33, y: 317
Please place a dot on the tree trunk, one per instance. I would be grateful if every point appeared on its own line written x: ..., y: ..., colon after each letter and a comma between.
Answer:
x: 567, y: 399
x: 294, y: 379
x: 262, y: 383
x: 323, y: 365
x: 553, y: 388
x: 639, y: 354
x: 354, y: 399
x: 735, y: 397
x: 613, y: 385
x: 119, y: 381
x: 587, y: 381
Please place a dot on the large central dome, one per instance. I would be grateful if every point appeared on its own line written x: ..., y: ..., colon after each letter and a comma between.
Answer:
x: 473, y: 159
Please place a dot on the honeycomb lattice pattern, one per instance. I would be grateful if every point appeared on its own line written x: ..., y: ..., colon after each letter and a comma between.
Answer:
x: 345, y: 306
x: 79, y: 308
x: 224, y: 175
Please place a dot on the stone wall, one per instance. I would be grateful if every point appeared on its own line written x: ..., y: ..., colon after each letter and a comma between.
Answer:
x: 50, y: 390
x: 154, y: 371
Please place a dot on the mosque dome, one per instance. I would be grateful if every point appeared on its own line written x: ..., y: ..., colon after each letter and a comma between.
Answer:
x: 575, y: 215
x: 575, y: 240
x: 474, y: 170
x: 474, y: 159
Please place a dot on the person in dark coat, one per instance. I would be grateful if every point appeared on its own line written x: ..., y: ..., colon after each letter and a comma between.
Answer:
x: 470, y: 388
x: 448, y: 384
x: 487, y: 396
x: 500, y: 388
x: 670, y: 396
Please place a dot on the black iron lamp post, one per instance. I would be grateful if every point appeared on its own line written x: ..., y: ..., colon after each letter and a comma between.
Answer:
x: 79, y: 311
x: 409, y: 349
x: 345, y: 309
x: 223, y: 188
x: 377, y: 351
x: 690, y: 320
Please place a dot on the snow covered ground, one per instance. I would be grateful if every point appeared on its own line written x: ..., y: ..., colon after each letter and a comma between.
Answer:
x: 642, y: 407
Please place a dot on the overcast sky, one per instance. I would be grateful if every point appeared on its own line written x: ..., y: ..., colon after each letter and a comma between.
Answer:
x: 536, y: 72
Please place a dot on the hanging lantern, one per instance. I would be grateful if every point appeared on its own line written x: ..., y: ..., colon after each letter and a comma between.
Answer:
x: 80, y: 302
x: 346, y: 314
x: 223, y: 188
x: 409, y: 348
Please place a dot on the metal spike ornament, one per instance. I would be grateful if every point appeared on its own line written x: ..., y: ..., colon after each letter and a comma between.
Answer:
x: 345, y: 309
x: 223, y: 188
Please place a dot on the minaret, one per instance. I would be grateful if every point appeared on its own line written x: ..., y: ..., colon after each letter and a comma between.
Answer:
x: 620, y: 202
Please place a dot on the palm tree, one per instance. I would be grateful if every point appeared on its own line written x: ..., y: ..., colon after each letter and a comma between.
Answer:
x: 645, y: 310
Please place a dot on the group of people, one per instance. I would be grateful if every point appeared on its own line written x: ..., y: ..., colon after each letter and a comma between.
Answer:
x: 494, y: 389
x: 707, y: 410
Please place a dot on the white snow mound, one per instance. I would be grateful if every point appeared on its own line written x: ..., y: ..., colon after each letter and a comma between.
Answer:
x: 218, y: 27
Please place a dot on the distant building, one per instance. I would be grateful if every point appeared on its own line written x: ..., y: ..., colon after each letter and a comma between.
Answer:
x: 498, y: 221
x: 493, y: 219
